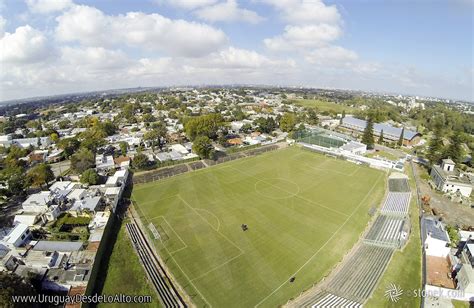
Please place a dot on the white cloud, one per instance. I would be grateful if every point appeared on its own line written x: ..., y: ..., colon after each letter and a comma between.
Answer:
x: 236, y: 58
x: 306, y: 11
x: 187, y: 4
x: 331, y: 55
x: 92, y: 27
x: 3, y: 22
x: 48, y: 6
x: 310, y: 36
x: 95, y: 58
x: 25, y: 45
x: 228, y: 11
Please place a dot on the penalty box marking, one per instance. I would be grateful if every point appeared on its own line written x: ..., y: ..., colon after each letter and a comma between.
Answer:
x: 173, y: 230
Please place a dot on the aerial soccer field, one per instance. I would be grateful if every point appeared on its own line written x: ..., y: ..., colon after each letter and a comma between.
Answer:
x: 303, y: 211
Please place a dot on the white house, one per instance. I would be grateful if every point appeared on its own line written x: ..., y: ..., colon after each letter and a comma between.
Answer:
x: 448, y: 178
x: 179, y: 148
x: 104, y: 162
x: 19, y: 235
x: 63, y: 185
x: 465, y: 275
x: 27, y: 219
x: 38, y: 203
x: 436, y: 238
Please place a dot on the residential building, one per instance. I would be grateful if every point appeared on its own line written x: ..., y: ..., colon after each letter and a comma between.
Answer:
x: 465, y: 275
x: 19, y: 235
x: 104, y: 162
x: 38, y: 203
x: 448, y: 178
x: 436, y: 239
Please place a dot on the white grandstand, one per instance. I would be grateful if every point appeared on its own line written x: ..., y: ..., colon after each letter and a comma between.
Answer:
x: 397, y: 203
x: 356, y: 278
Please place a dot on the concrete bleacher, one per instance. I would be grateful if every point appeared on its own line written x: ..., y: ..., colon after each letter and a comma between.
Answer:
x: 386, y: 231
x: 397, y: 203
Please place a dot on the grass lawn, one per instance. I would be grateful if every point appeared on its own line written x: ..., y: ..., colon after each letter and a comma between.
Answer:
x: 383, y: 154
x: 323, y: 105
x: 125, y: 274
x: 304, y: 211
x: 460, y: 304
x: 404, y: 270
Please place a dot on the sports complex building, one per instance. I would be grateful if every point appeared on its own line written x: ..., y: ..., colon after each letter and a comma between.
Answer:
x: 390, y: 133
x: 342, y: 146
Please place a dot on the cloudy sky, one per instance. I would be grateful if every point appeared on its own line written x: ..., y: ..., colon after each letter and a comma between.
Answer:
x: 411, y: 47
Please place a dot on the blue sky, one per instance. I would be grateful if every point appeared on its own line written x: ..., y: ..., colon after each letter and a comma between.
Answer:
x: 409, y: 47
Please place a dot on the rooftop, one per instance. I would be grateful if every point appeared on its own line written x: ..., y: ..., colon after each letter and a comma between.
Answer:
x: 57, y: 246
x: 435, y: 229
x: 378, y: 127
x: 454, y: 176
x: 16, y: 232
x: 41, y: 198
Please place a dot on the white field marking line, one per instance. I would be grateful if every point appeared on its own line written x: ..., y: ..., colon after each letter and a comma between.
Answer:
x: 355, y: 170
x: 218, y: 266
x: 187, y: 277
x: 294, y: 195
x: 138, y: 209
x: 197, y: 213
x: 324, y: 245
x: 323, y: 206
x: 204, y: 170
x: 172, y: 229
x: 157, y: 200
x: 148, y: 185
x: 276, y: 198
x: 328, y: 170
x: 207, y: 211
x: 177, y: 264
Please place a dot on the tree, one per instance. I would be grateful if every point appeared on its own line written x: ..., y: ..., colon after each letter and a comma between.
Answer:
x: 400, y: 140
x: 140, y: 161
x: 288, y: 122
x: 69, y: 145
x: 155, y: 135
x: 381, y: 137
x: 90, y: 177
x: 246, y: 128
x: 63, y: 124
x: 148, y: 118
x: 454, y: 150
x: 312, y: 117
x: 265, y: 125
x: 206, y: 125
x: 82, y: 160
x: 368, y: 136
x: 435, y: 147
x: 202, y: 146
x: 342, y: 116
x: 40, y: 175
x: 123, y: 147
x: 14, y: 285
x: 54, y: 137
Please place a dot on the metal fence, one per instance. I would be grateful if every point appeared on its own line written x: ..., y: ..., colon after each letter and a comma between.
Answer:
x: 319, y: 138
x: 164, y: 173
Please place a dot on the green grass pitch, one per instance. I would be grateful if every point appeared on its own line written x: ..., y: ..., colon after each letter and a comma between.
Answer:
x: 304, y: 211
